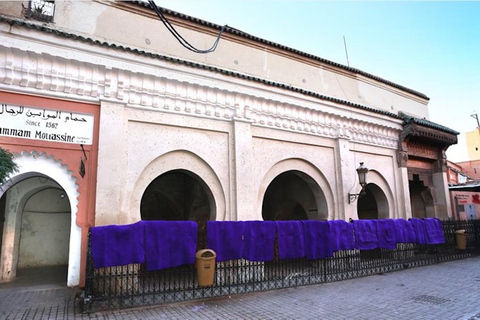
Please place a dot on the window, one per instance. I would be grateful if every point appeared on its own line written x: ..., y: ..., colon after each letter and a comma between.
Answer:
x: 41, y: 10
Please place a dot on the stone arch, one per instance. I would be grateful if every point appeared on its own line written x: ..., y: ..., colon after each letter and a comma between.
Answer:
x: 377, y: 189
x: 185, y: 161
x: 177, y: 195
x: 36, y: 164
x: 311, y: 175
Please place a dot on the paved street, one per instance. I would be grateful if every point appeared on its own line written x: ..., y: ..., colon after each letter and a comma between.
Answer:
x: 448, y: 290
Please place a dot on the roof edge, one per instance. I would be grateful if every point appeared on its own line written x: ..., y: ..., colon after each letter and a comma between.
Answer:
x: 47, y: 29
x: 426, y: 123
x: 248, y: 36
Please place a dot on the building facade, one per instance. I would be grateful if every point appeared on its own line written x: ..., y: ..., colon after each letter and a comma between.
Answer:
x: 251, y: 131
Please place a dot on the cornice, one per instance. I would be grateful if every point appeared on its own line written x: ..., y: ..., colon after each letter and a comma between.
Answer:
x: 45, y: 74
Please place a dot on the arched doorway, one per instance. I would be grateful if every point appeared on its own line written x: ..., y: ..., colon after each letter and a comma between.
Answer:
x: 290, y: 197
x: 37, y: 220
x: 39, y: 207
x: 421, y: 199
x: 177, y: 195
x: 373, y: 204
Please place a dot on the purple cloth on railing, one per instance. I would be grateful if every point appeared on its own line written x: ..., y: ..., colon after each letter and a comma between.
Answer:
x: 170, y: 243
x: 117, y: 245
x: 226, y: 239
x: 420, y: 230
x: 386, y: 233
x: 317, y: 239
x: 405, y: 232
x: 341, y: 235
x: 291, y: 242
x: 259, y: 240
x: 434, y: 231
x: 365, y: 235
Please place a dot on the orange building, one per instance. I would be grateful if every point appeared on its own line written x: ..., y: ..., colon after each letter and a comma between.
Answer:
x: 48, y: 205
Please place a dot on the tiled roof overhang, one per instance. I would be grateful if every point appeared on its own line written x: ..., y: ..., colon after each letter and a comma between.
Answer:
x: 279, y: 46
x: 46, y: 29
x: 416, y: 131
x: 473, y: 187
x: 427, y: 131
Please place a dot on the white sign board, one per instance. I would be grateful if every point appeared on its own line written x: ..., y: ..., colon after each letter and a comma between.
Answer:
x: 45, y: 124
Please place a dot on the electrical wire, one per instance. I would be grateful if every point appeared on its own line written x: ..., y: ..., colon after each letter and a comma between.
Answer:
x: 177, y: 35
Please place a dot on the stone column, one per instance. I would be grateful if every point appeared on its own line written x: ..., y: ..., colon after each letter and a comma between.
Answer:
x: 443, y: 206
x: 112, y: 164
x: 243, y: 196
x: 404, y: 203
x: 11, y: 235
x: 347, y: 181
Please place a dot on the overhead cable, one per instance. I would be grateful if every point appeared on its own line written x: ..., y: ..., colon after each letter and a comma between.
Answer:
x: 177, y: 35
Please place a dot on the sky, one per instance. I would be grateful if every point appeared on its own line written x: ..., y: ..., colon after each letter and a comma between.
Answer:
x: 431, y: 46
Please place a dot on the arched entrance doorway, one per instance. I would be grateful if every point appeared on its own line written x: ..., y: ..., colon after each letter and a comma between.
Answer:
x: 39, y: 206
x: 177, y: 195
x: 373, y: 204
x: 290, y: 197
x: 37, y: 214
x: 421, y: 199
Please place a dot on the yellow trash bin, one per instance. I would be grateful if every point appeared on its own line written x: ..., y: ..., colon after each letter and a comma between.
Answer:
x: 205, y: 263
x: 461, y: 238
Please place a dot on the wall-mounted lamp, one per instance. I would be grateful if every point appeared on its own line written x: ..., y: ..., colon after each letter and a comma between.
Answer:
x: 362, y: 179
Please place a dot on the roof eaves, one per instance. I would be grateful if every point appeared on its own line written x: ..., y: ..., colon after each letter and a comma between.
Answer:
x: 282, y: 47
x: 76, y: 37
x: 427, y: 123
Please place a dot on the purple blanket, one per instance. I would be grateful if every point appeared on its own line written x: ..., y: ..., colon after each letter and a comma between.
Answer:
x: 405, y: 232
x: 291, y: 243
x: 341, y: 235
x: 434, y: 231
x: 317, y: 239
x: 117, y: 245
x: 170, y: 243
x: 259, y: 240
x: 226, y: 239
x: 386, y: 233
x: 420, y: 230
x: 365, y: 235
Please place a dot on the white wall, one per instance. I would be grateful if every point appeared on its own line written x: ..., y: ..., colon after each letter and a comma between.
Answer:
x: 45, y: 230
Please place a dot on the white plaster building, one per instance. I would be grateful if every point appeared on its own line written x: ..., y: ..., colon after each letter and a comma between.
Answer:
x: 251, y: 131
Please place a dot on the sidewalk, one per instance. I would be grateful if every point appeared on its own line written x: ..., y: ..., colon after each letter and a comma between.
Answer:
x: 449, y: 290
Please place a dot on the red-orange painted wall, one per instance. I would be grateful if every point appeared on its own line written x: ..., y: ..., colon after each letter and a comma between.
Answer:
x: 69, y: 154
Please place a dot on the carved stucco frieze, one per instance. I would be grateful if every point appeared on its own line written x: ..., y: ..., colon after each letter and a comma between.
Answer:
x: 71, y: 78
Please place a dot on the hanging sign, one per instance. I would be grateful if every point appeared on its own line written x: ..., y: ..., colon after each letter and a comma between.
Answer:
x: 45, y: 124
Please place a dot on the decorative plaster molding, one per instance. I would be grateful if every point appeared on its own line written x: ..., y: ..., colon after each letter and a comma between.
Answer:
x: 64, y: 78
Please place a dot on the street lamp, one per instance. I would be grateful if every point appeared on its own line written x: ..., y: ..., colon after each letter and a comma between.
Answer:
x: 362, y: 179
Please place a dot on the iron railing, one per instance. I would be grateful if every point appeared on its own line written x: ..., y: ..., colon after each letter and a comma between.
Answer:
x: 132, y: 286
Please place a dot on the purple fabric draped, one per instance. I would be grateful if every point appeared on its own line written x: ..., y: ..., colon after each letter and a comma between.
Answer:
x: 410, y: 236
x: 386, y: 233
x: 317, y: 239
x: 259, y: 240
x: 226, y: 239
x: 365, y: 235
x: 400, y: 230
x: 117, y: 245
x: 405, y: 232
x: 291, y: 242
x: 170, y: 243
x: 434, y: 231
x: 420, y: 230
x: 341, y: 235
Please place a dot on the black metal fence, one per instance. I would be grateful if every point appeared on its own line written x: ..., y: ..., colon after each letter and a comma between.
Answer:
x: 132, y: 286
